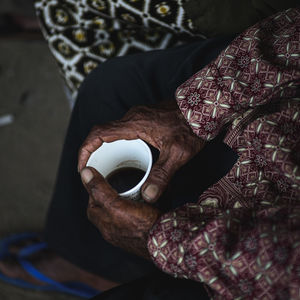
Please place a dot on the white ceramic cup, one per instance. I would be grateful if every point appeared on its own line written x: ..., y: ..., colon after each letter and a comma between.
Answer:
x: 123, y: 154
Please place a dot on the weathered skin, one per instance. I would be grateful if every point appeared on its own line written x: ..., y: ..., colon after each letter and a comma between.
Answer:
x: 125, y: 223
x: 164, y: 127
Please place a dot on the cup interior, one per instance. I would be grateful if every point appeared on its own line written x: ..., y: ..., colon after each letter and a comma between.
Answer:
x: 121, y: 154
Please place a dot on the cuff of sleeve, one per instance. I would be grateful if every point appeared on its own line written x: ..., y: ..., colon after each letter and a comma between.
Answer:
x: 204, y: 118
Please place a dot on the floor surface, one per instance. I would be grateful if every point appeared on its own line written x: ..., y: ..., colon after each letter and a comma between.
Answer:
x: 33, y: 100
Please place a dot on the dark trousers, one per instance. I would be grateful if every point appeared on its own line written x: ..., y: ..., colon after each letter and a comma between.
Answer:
x: 106, y: 95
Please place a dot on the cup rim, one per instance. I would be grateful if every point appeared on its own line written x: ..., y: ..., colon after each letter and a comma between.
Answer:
x: 136, y: 187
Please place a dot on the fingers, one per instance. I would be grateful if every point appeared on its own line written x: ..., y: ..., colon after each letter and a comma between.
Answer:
x: 89, y: 146
x: 159, y: 177
x: 100, y: 134
x: 100, y: 191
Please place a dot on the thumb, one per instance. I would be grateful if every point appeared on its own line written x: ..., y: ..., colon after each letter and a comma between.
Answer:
x: 159, y: 177
x: 97, y: 186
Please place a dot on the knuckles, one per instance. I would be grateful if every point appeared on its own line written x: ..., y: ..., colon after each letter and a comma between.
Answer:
x: 143, y: 113
x: 161, y: 175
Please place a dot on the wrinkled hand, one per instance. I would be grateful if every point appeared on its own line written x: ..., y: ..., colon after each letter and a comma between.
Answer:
x: 164, y: 127
x: 123, y: 223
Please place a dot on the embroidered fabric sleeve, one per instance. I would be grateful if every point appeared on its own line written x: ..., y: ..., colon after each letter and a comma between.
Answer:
x: 239, y: 254
x: 260, y: 65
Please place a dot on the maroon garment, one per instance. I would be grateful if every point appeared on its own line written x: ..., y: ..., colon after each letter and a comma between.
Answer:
x: 242, y: 238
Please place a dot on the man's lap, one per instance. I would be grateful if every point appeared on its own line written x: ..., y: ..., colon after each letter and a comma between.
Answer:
x: 106, y: 95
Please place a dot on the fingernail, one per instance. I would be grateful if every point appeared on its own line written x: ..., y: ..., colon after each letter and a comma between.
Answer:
x: 86, y: 175
x: 151, y: 191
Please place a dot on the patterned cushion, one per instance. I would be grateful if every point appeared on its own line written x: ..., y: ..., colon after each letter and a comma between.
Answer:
x: 83, y: 33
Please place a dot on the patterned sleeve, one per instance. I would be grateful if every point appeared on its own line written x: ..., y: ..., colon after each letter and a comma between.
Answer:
x: 260, y: 65
x: 250, y: 251
x: 238, y: 254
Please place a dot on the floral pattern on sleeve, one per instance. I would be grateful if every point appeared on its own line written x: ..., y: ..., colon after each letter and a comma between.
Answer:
x: 260, y: 65
x: 236, y: 255
x: 242, y: 237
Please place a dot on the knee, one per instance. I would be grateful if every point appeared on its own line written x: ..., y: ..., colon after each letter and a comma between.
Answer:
x: 101, y: 96
x: 103, y: 82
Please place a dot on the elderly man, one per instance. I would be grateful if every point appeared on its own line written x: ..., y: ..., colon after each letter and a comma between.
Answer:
x: 241, y: 237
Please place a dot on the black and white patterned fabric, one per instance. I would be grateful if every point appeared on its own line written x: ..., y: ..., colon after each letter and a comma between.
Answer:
x: 83, y: 33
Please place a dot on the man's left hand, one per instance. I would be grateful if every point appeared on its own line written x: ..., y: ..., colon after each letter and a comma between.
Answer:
x: 123, y: 223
